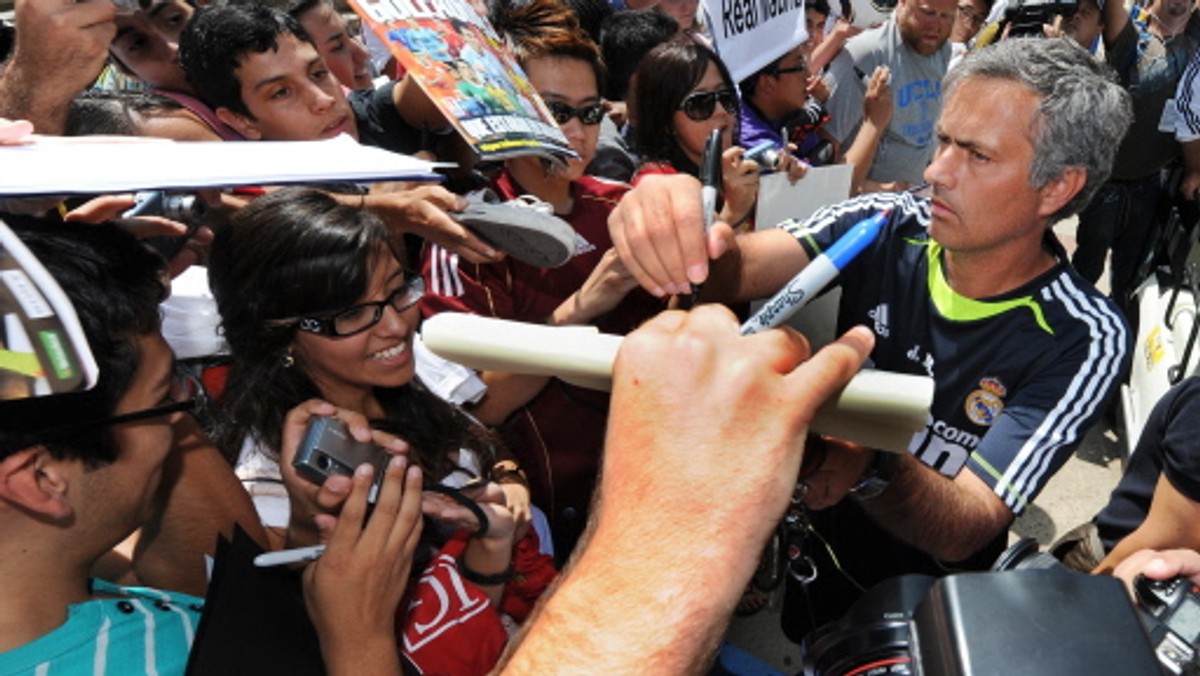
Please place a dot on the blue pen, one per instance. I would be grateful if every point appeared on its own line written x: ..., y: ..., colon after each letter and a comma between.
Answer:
x: 819, y: 272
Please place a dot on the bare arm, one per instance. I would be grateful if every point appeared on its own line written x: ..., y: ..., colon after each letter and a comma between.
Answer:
x: 658, y: 232
x: 948, y: 518
x: 423, y: 212
x: 200, y: 499
x: 1172, y: 522
x: 1190, y: 185
x: 60, y: 48
x: 832, y: 44
x: 877, y: 113
x: 1116, y: 16
x: 650, y: 589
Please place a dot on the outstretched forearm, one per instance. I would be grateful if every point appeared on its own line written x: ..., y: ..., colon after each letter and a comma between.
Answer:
x: 948, y: 518
x: 664, y: 615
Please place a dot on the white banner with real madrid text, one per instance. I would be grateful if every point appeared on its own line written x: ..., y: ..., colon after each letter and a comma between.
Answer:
x: 749, y: 34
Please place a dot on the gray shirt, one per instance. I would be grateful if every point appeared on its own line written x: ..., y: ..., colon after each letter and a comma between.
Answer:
x: 908, y: 142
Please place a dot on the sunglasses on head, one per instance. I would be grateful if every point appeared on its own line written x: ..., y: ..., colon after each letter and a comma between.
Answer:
x: 699, y: 106
x: 589, y: 114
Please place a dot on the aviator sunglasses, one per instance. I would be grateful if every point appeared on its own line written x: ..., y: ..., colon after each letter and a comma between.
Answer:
x: 589, y: 114
x: 699, y: 106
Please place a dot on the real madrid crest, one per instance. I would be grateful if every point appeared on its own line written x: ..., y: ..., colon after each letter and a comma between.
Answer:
x: 984, y: 405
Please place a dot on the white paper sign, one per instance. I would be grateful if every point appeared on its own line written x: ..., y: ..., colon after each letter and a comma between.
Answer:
x: 779, y: 200
x: 749, y: 34
x: 87, y: 165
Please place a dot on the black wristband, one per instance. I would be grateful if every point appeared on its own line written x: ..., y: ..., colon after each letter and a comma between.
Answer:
x: 457, y: 496
x: 480, y: 579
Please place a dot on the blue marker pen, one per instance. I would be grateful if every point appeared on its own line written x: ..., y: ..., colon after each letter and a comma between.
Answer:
x: 819, y: 272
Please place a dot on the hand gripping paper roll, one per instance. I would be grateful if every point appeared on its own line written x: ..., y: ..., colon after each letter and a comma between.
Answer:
x: 879, y: 409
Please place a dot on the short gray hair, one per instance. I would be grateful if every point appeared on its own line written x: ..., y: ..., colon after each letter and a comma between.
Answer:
x: 1083, y: 114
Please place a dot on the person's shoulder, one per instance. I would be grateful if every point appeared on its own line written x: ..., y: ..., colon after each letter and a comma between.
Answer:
x: 156, y: 596
x: 1185, y: 396
x: 1077, y: 306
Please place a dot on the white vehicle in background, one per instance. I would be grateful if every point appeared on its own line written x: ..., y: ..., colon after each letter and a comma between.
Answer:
x: 1167, y: 344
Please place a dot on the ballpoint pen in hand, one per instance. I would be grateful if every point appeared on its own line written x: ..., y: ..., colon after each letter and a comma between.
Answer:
x: 710, y: 180
x: 820, y: 271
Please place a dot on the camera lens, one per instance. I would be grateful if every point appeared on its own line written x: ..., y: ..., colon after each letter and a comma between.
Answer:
x: 874, y: 636
x: 324, y: 463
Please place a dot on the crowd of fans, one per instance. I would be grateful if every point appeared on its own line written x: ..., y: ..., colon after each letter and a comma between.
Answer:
x: 536, y: 521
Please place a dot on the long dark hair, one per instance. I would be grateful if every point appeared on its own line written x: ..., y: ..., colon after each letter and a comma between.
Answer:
x: 665, y: 76
x: 293, y: 253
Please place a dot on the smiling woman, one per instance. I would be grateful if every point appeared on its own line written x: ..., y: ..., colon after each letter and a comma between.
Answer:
x: 315, y: 305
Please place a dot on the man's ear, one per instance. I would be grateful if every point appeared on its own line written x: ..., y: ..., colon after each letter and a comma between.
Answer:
x: 32, y: 479
x: 242, y: 124
x: 1055, y: 194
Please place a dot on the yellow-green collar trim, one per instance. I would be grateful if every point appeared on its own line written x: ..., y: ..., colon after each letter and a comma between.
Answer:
x: 959, y: 308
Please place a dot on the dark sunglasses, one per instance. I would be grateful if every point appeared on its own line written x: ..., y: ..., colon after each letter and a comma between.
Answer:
x: 699, y: 106
x: 798, y: 68
x: 359, y: 318
x: 589, y: 114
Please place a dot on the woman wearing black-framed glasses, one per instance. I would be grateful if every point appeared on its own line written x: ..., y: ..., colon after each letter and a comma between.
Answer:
x: 316, y: 305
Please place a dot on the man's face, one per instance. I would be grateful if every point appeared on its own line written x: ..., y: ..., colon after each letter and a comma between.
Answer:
x: 571, y: 82
x: 121, y: 493
x: 291, y: 95
x: 969, y: 18
x: 982, y: 197
x: 925, y: 24
x: 345, y: 55
x: 814, y: 25
x: 147, y: 44
x: 683, y: 11
x: 1173, y: 8
x: 1086, y: 24
x: 788, y: 86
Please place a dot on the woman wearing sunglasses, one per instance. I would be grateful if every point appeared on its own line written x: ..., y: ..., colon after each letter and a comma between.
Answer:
x: 682, y: 92
x: 556, y: 430
x: 320, y: 318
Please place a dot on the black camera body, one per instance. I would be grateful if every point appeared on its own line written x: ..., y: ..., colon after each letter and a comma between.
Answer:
x: 182, y: 207
x: 1170, y: 611
x: 328, y: 449
x: 1026, y: 17
x: 1031, y: 622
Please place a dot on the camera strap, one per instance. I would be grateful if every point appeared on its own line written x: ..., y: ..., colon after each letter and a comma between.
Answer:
x: 797, y: 528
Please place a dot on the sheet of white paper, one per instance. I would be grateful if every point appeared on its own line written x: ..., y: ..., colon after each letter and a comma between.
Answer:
x: 83, y: 165
x: 779, y: 200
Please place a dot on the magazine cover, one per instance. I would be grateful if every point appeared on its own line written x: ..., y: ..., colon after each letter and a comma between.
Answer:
x: 42, y: 347
x: 461, y: 64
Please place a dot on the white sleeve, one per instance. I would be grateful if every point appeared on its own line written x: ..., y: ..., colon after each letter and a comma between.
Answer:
x: 1187, y: 103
